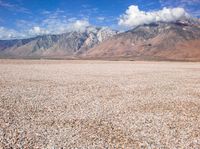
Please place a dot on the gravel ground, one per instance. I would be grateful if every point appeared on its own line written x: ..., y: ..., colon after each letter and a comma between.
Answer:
x: 99, y: 104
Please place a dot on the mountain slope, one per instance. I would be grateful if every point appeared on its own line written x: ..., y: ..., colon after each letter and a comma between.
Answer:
x: 67, y: 44
x: 158, y: 41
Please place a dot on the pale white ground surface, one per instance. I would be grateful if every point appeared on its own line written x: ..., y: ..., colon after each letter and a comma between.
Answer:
x: 98, y: 104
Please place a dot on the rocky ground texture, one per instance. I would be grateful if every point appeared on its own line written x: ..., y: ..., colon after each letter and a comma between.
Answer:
x: 99, y: 104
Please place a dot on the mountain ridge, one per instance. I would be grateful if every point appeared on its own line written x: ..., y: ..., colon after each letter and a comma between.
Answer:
x: 178, y: 40
x: 66, y: 44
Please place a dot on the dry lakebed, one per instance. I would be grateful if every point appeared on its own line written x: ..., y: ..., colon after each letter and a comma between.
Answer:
x: 55, y: 104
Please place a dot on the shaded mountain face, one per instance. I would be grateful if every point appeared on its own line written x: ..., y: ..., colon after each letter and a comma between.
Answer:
x: 67, y: 44
x: 158, y: 41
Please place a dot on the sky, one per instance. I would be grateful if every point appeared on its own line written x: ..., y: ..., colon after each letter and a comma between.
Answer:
x: 28, y: 18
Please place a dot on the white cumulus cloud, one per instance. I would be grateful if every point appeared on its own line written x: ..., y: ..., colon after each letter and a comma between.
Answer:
x: 6, y: 33
x: 78, y: 25
x: 134, y: 16
x: 36, y: 30
x: 48, y: 26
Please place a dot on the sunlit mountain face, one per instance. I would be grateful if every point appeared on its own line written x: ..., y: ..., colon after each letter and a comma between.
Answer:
x: 179, y: 40
x: 70, y: 43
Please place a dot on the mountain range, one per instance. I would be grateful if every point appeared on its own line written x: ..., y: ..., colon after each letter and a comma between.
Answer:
x: 178, y: 40
x: 68, y: 44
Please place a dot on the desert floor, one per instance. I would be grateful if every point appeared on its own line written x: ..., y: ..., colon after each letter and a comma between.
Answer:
x: 99, y: 104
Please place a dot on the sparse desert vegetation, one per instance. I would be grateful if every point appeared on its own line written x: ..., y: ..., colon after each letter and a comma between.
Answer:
x: 99, y: 104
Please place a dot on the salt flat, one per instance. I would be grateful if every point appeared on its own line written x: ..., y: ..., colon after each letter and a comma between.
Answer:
x: 99, y: 104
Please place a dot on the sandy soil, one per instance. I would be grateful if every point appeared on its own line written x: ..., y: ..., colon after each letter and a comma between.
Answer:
x: 98, y: 104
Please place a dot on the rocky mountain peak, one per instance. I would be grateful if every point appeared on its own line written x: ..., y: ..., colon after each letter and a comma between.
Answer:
x: 179, y: 40
x: 69, y: 43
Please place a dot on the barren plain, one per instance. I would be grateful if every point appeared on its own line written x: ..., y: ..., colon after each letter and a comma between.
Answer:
x: 51, y: 104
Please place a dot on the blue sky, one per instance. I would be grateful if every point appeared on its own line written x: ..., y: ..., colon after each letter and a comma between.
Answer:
x: 31, y: 17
